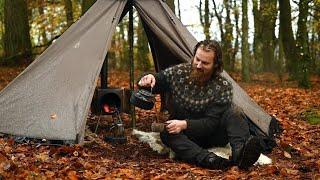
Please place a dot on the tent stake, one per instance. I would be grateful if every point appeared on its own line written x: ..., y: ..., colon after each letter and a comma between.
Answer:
x: 133, y: 114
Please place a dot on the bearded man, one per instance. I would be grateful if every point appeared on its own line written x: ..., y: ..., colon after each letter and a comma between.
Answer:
x: 201, y: 111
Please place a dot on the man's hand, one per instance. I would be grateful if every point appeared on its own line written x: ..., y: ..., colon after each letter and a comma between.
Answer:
x: 147, y: 81
x: 176, y: 126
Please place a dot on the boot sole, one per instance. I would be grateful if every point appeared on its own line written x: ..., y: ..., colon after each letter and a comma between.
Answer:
x: 250, y: 153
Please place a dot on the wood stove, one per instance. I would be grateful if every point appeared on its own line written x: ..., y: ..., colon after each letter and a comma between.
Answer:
x: 108, y: 101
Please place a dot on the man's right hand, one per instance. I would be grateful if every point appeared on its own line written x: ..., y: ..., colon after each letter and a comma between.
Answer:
x: 147, y: 81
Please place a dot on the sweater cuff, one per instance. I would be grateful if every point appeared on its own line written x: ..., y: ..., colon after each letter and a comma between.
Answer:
x: 190, y: 124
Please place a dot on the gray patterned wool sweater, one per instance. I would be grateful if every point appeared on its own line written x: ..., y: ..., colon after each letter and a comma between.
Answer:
x: 202, y: 106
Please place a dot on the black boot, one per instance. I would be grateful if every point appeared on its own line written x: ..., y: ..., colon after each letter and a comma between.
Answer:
x: 248, y: 154
x: 213, y: 161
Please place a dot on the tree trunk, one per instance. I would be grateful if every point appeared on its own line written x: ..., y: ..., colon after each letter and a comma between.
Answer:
x: 42, y: 26
x: 228, y: 37
x: 124, y: 62
x: 69, y: 12
x: 205, y: 18
x: 289, y: 44
x: 86, y: 4
x: 302, y: 43
x: 302, y: 33
x: 179, y: 11
x: 268, y: 11
x: 207, y: 21
x: 257, y: 41
x: 1, y: 27
x: 315, y: 38
x: 236, y: 42
x: 279, y: 58
x: 142, y: 57
x: 16, y: 37
x: 122, y: 44
x: 244, y: 42
x: 287, y: 34
x: 218, y: 15
x: 112, y: 54
x: 171, y: 5
x: 226, y: 30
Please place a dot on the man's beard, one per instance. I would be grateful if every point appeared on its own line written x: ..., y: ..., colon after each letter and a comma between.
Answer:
x: 199, y: 76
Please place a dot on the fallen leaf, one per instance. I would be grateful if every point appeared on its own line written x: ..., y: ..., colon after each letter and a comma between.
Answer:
x: 42, y: 156
x: 75, y: 153
x: 87, y: 174
x: 287, y: 155
x: 318, y: 165
x: 72, y: 175
x: 271, y: 169
x: 231, y: 177
x: 292, y: 171
x: 7, y: 166
x: 49, y: 174
x: 199, y: 171
x: 3, y: 157
x: 53, y: 116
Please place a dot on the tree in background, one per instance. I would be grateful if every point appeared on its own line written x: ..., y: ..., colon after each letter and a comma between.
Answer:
x: 226, y: 34
x: 303, y: 45
x: 268, y: 14
x: 123, y: 44
x: 236, y: 41
x: 279, y: 57
x: 1, y: 26
x: 228, y: 37
x: 171, y: 5
x: 46, y: 23
x: 257, y: 41
x: 244, y: 42
x: 142, y: 53
x: 86, y: 4
x: 16, y: 38
x: 205, y: 18
x: 49, y: 19
x: 44, y: 39
x: 69, y: 12
x: 179, y: 11
x: 297, y: 62
x: 314, y: 44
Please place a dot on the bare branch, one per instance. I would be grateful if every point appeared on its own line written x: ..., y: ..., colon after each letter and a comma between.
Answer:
x: 219, y: 18
x: 200, y: 13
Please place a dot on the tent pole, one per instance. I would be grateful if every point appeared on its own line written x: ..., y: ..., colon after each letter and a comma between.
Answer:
x: 133, y: 114
x: 104, y: 74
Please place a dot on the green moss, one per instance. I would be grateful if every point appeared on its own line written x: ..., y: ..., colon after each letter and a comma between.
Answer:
x: 312, y: 116
x: 314, y: 120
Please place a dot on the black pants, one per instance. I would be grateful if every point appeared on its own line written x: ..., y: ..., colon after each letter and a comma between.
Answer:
x: 190, y: 147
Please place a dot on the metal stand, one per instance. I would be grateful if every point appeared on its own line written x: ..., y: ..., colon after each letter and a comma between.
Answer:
x: 116, y: 131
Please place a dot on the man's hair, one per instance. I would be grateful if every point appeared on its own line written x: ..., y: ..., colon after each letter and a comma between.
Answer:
x: 212, y: 45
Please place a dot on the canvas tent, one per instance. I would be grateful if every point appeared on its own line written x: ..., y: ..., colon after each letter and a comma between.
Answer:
x: 51, y: 98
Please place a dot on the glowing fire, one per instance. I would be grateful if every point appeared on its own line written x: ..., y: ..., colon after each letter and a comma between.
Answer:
x: 108, y: 109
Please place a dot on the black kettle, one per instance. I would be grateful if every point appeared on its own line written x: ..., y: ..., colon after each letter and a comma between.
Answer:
x: 143, y: 99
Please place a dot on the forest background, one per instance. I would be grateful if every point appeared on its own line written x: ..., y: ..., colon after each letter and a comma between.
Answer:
x: 283, y: 38
x: 271, y: 48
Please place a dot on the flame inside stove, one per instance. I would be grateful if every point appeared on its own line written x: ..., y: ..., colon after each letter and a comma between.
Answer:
x: 108, y: 109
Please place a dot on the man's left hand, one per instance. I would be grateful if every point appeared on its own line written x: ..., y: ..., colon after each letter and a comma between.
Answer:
x: 176, y: 126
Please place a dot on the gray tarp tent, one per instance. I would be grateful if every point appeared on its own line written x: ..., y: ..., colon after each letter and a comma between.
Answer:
x: 51, y: 98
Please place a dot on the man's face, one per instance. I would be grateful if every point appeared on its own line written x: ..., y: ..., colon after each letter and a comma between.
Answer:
x: 202, y: 65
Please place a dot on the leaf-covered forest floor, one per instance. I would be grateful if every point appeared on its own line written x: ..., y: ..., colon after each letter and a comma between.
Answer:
x: 295, y: 157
